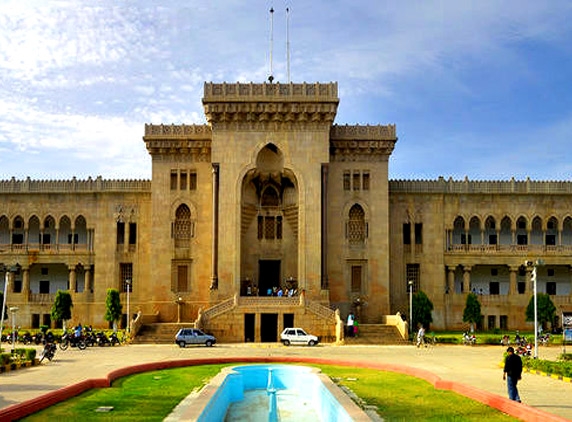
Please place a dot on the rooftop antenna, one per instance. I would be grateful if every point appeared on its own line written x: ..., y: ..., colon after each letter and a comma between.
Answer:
x: 271, y: 77
x: 288, y: 42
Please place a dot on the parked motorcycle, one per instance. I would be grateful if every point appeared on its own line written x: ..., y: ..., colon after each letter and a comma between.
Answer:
x: 49, y: 351
x: 69, y: 339
x: 469, y: 339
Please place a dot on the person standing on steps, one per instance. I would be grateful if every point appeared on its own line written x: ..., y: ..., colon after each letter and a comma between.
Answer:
x: 512, y: 373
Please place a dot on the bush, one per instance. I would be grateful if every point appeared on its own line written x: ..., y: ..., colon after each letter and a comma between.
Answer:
x: 561, y: 368
x: 565, y: 356
x: 5, y: 358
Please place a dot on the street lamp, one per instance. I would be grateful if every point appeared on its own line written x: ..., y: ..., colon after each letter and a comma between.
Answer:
x: 15, y: 269
x: 13, y: 310
x: 533, y: 274
x: 410, y: 283
x: 128, y: 286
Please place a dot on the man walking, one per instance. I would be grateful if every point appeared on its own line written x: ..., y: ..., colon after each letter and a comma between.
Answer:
x: 512, y: 373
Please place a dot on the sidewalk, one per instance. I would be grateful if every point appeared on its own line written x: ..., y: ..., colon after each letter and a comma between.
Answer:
x: 477, y: 367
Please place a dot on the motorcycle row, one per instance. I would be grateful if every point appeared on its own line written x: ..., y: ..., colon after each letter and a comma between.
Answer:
x: 469, y: 339
x: 522, y: 346
x: 79, y: 339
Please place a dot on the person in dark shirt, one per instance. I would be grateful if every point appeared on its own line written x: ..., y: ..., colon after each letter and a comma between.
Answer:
x: 512, y: 373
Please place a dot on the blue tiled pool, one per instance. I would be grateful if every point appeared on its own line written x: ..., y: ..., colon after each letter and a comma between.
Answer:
x: 269, y: 392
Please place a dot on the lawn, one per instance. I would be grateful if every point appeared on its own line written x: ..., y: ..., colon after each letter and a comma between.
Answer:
x: 152, y: 395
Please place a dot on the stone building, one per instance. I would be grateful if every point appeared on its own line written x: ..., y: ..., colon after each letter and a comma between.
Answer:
x: 272, y: 196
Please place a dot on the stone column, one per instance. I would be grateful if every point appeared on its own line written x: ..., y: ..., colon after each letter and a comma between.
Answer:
x: 512, y: 287
x: 88, y: 280
x: 450, y: 287
x: 324, y: 208
x: 26, y: 282
x: 466, y: 279
x: 214, y: 263
x: 72, y: 280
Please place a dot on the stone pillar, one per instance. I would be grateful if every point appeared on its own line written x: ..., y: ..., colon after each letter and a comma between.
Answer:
x: 88, y: 280
x: 26, y: 282
x: 512, y: 287
x: 72, y: 280
x: 466, y: 279
x: 214, y: 263
x: 450, y: 287
x: 324, y: 208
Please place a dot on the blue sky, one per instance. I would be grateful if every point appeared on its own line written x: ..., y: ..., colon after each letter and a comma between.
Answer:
x: 477, y: 89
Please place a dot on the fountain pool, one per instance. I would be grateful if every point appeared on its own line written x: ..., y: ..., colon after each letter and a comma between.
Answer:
x: 269, y: 392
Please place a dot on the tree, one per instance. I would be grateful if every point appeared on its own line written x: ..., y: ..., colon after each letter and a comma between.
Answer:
x: 114, y: 307
x: 546, y: 310
x: 61, y: 309
x: 422, y: 308
x: 472, y: 313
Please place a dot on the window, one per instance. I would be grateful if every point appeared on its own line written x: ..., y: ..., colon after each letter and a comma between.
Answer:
x: 418, y: 233
x: 44, y: 286
x: 521, y: 224
x: 269, y: 227
x: 521, y: 287
x: 406, y: 234
x: 466, y: 239
x: 413, y: 274
x: 260, y: 227
x: 494, y: 288
x: 279, y: 227
x: 46, y: 239
x: 17, y: 238
x: 74, y: 237
x: 356, y: 278
x: 182, y: 278
x: 347, y: 180
x: 126, y: 273
x: 365, y: 180
x: 183, y: 180
x: 550, y: 272
x: 551, y: 288
x: 132, y: 233
x: 44, y: 271
x: 550, y: 225
x: 182, y: 226
x: 492, y: 320
x: 120, y: 233
x: 356, y: 180
x: 550, y: 239
x: 494, y: 272
x: 356, y: 228
x: 503, y: 321
x: 193, y: 180
x: 522, y: 239
x: 492, y: 239
x: 173, y: 179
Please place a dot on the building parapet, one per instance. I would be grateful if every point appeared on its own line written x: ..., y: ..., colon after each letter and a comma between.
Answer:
x: 172, y: 131
x: 249, y: 92
x: 363, y: 133
x: 467, y: 186
x: 74, y: 185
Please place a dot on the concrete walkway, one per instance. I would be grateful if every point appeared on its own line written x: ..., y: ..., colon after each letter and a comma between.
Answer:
x: 473, y: 366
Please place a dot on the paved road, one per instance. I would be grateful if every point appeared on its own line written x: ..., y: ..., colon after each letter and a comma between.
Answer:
x: 474, y: 366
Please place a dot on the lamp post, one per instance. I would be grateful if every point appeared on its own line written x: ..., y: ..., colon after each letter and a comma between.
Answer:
x: 410, y: 283
x: 533, y: 275
x: 14, y: 269
x: 13, y: 310
x: 128, y: 286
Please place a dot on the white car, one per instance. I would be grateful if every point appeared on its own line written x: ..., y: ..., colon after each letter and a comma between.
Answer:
x: 297, y: 336
x: 193, y: 336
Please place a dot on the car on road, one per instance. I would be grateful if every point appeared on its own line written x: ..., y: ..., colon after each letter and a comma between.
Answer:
x: 297, y: 336
x: 187, y: 336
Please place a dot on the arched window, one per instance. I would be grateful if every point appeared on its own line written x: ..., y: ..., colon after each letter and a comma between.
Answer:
x: 182, y: 227
x: 270, y: 198
x: 357, y: 230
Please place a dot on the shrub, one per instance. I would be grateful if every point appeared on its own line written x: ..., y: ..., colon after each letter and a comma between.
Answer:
x: 5, y: 358
x: 565, y: 356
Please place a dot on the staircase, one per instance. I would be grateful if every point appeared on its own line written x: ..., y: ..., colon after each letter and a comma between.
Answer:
x: 159, y: 333
x: 379, y: 334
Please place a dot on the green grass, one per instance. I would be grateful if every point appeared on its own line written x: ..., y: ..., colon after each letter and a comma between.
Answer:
x: 151, y: 396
